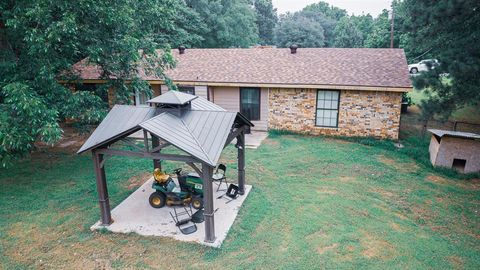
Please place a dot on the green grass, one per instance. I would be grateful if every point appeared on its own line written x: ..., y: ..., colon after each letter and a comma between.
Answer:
x: 316, y: 203
x: 469, y: 114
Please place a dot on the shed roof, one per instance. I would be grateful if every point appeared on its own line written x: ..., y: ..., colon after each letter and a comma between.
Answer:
x: 201, y: 129
x: 309, y: 66
x: 458, y: 134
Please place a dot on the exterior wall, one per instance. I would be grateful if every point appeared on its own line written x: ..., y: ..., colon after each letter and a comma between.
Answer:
x: 459, y: 148
x: 200, y: 90
x: 229, y: 99
x: 361, y: 113
x: 433, y: 149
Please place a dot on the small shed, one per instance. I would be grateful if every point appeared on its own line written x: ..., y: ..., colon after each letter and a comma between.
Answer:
x: 194, y: 125
x: 454, y: 149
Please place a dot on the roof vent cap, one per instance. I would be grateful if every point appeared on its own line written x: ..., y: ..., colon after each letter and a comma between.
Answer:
x: 293, y: 48
x: 181, y: 49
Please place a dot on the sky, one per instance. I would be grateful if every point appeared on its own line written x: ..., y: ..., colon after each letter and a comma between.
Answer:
x: 357, y: 7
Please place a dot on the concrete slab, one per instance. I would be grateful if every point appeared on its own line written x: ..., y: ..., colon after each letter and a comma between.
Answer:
x: 136, y: 215
x: 254, y: 139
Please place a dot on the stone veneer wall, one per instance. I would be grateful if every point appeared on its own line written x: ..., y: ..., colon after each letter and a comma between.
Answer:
x: 361, y: 113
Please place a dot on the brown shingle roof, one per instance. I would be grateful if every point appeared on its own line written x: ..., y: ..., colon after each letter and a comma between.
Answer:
x: 309, y: 66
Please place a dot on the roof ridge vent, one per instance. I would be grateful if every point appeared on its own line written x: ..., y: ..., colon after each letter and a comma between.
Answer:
x: 181, y: 49
x: 293, y: 48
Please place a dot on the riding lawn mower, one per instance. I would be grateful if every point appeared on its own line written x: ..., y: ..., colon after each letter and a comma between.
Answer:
x: 167, y: 192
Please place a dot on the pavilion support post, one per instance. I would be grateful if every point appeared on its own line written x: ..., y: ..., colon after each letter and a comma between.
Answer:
x: 155, y: 143
x: 207, y: 172
x: 102, y: 189
x: 241, y: 162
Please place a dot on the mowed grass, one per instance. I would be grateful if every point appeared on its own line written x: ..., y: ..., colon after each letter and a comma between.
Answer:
x: 316, y: 203
x: 469, y: 114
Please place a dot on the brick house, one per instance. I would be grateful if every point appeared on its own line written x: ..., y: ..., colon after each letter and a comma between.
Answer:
x: 349, y: 92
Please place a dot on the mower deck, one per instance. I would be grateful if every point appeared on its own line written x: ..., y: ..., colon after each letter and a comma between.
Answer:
x: 135, y: 214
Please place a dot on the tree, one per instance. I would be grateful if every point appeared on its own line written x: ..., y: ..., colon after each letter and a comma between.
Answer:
x: 327, y: 16
x: 364, y: 23
x: 266, y: 20
x: 44, y: 38
x: 230, y: 23
x: 380, y: 34
x: 450, y: 30
x: 347, y: 35
x: 300, y: 30
x: 329, y: 11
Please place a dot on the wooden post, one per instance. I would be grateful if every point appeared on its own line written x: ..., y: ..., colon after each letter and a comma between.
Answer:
x: 155, y: 143
x: 241, y: 162
x: 207, y: 172
x: 102, y: 189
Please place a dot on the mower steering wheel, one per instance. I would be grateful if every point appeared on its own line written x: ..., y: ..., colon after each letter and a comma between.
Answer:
x: 177, y: 170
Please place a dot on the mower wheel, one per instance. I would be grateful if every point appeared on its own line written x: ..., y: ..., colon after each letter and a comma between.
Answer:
x: 157, y: 200
x: 197, y: 202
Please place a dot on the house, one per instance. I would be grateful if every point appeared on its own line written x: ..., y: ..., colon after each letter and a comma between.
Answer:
x: 333, y: 91
x: 454, y: 149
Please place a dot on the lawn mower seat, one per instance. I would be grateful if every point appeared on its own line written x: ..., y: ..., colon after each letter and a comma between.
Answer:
x: 160, y: 176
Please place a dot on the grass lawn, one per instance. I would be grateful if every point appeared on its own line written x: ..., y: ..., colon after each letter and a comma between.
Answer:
x: 469, y: 114
x: 316, y: 203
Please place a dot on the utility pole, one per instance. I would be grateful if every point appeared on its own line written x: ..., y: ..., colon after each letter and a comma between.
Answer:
x: 391, y: 28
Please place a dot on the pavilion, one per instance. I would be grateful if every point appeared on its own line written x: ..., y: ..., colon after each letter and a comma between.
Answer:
x: 196, y: 126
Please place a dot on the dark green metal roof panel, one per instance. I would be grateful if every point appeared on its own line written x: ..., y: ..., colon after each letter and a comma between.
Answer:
x: 120, y: 120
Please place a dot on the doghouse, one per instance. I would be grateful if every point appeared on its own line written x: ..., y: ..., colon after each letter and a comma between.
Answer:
x: 454, y: 149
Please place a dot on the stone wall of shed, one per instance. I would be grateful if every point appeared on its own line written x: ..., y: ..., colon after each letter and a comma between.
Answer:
x: 361, y: 113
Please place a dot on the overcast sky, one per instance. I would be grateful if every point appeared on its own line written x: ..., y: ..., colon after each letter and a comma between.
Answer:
x: 356, y: 7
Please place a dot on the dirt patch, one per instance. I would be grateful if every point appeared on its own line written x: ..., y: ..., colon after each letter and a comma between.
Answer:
x: 326, y: 190
x: 137, y: 180
x: 396, y: 226
x: 374, y: 247
x: 385, y: 193
x: 473, y: 184
x: 408, y: 167
x: 271, y: 142
x: 456, y: 262
x: 346, y: 179
x: 321, y: 250
x: 437, y: 179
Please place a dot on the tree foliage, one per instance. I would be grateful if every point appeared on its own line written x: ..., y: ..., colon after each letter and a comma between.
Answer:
x: 449, y: 31
x: 347, y: 35
x: 44, y: 38
x: 266, y: 18
x: 300, y: 30
x: 231, y: 23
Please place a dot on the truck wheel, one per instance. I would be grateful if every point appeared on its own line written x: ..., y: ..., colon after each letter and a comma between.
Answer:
x: 197, y: 202
x: 157, y: 200
x: 414, y: 70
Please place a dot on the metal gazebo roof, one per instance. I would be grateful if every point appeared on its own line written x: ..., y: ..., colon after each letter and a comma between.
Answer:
x: 198, y: 126
x: 173, y: 97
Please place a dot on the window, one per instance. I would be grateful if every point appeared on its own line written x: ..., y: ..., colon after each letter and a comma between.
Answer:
x: 141, y: 98
x: 250, y: 103
x: 187, y: 89
x: 327, y: 108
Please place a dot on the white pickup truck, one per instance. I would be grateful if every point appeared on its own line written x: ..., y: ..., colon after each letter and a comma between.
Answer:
x: 424, y: 65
